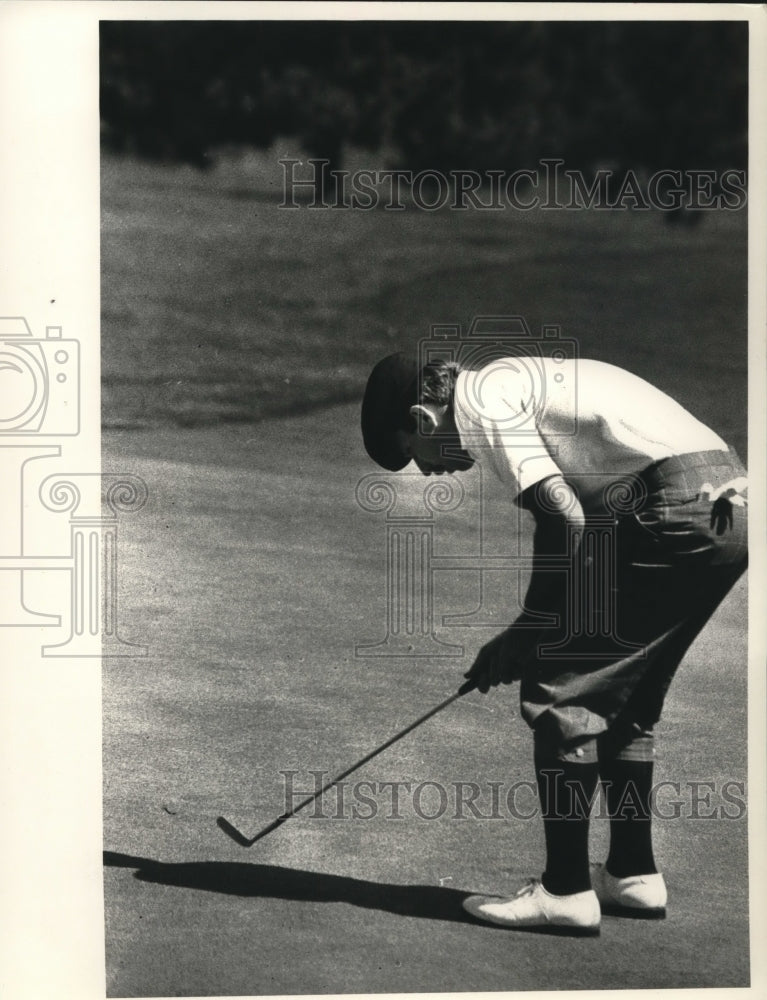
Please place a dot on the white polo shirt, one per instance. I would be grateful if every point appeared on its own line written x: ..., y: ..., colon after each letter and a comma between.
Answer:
x: 527, y: 418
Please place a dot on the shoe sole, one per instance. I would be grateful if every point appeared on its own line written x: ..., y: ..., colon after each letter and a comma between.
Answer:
x: 634, y: 912
x: 559, y: 930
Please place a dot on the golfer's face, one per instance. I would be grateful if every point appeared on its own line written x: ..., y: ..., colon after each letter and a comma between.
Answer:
x: 435, y: 454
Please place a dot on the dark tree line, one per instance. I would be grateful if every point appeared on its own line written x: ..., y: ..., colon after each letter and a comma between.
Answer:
x: 444, y: 95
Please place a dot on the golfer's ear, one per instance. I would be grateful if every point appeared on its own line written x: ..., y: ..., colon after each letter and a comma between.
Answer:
x: 426, y: 420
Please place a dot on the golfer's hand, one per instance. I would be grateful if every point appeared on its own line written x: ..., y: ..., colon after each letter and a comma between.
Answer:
x: 732, y: 494
x: 494, y: 664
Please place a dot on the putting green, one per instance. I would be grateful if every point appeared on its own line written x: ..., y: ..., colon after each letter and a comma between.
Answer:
x: 251, y: 584
x: 253, y: 573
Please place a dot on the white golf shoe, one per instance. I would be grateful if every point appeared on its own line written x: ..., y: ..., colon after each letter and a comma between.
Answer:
x: 533, y: 908
x: 635, y: 896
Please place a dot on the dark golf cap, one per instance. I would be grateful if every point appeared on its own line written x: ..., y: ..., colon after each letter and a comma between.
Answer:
x: 391, y: 390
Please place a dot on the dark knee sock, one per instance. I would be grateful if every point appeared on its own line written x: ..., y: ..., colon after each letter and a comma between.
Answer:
x: 628, y: 785
x: 566, y: 792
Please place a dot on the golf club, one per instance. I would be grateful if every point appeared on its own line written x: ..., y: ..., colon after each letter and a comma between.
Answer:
x: 244, y: 841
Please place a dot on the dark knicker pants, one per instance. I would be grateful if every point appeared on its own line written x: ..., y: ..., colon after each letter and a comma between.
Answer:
x: 654, y: 564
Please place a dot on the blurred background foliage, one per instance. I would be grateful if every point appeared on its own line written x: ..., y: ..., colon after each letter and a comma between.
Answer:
x: 220, y: 306
x: 443, y: 95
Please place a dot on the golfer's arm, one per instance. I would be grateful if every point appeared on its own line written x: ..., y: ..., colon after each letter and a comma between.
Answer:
x: 557, y: 512
x: 558, y: 519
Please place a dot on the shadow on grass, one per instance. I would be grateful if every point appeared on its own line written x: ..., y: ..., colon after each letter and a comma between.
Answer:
x: 243, y: 879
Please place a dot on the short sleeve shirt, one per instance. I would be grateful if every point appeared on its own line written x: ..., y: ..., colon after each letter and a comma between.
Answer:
x: 528, y: 418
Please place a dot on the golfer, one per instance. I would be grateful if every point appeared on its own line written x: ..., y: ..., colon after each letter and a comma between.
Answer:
x: 639, y: 532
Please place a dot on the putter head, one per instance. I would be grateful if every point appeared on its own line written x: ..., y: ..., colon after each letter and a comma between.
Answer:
x: 233, y: 832
x: 238, y: 838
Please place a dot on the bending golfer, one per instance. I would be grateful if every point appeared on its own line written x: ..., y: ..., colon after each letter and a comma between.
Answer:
x: 644, y: 507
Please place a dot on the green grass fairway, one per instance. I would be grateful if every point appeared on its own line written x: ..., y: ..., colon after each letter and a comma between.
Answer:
x: 236, y: 340
x: 219, y: 306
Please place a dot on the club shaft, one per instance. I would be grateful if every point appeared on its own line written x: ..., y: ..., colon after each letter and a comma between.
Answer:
x: 248, y: 842
x: 374, y: 753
